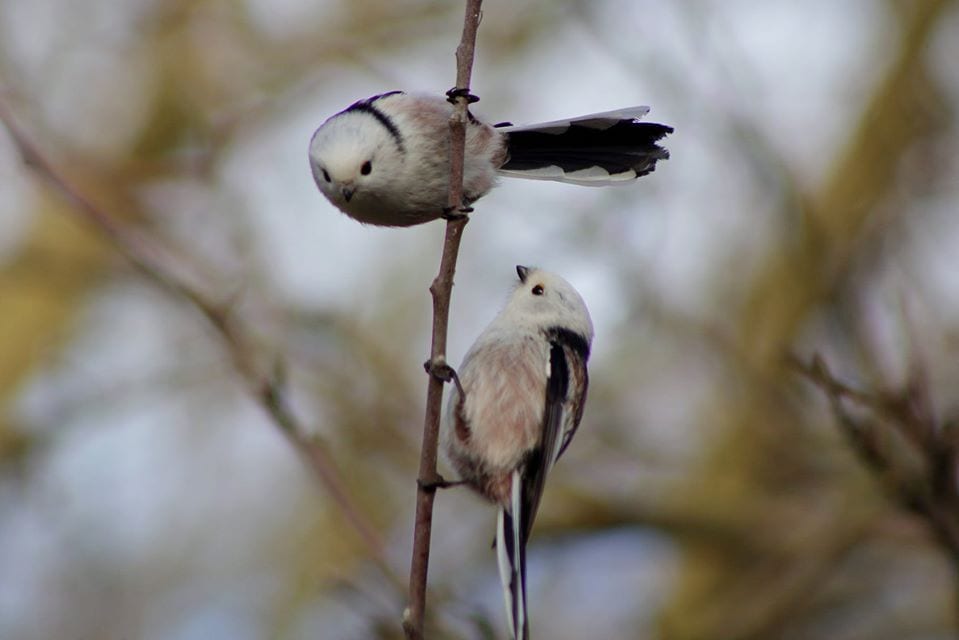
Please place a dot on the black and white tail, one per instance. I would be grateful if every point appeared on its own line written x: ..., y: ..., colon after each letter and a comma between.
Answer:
x: 511, y: 558
x: 599, y: 149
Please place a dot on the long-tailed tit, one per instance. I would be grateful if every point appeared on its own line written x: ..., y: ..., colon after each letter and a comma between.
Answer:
x: 385, y: 160
x: 517, y: 403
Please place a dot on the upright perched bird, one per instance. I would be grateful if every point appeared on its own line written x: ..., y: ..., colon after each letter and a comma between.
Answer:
x: 385, y: 160
x: 518, y: 402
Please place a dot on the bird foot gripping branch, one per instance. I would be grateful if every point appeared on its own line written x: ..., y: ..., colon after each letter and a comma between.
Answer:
x: 443, y: 371
x: 452, y: 214
x: 461, y: 92
x: 439, y: 482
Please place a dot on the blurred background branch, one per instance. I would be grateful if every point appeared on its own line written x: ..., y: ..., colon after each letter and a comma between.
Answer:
x: 914, y: 453
x: 806, y: 270
x: 265, y: 384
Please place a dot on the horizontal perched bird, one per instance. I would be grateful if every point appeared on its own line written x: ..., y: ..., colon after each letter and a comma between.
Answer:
x: 517, y: 403
x: 385, y: 160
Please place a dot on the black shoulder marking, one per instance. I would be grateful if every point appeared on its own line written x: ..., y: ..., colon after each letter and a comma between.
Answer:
x: 571, y: 339
x: 380, y: 96
x: 558, y: 383
x: 369, y: 106
x: 365, y: 102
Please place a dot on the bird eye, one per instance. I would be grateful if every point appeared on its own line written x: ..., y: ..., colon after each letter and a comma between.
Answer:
x: 538, y: 290
x: 326, y: 176
x: 366, y: 168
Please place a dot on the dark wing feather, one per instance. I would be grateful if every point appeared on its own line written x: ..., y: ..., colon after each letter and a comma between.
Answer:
x: 579, y: 380
x: 626, y: 145
x: 626, y: 148
x: 541, y: 459
x: 576, y: 350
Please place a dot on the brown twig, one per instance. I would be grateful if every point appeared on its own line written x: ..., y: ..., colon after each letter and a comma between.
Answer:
x: 265, y: 387
x: 441, y: 290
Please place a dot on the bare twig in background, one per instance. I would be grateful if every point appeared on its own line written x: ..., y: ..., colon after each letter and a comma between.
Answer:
x: 441, y: 290
x: 932, y: 491
x: 794, y: 284
x: 263, y: 382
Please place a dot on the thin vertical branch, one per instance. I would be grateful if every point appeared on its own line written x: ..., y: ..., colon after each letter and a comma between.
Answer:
x: 441, y: 290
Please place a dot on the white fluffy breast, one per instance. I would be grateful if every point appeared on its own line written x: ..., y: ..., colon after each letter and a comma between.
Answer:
x: 504, y: 378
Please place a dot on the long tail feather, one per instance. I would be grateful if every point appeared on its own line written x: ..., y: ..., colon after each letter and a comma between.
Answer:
x: 511, y: 558
x: 593, y: 150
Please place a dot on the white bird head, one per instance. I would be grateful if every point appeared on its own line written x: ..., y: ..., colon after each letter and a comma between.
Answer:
x: 354, y: 158
x: 544, y: 300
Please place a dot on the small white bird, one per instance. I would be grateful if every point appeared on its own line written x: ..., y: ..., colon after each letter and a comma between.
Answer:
x: 385, y: 160
x: 517, y: 403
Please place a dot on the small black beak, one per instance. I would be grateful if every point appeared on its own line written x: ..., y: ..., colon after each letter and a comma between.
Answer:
x: 347, y: 193
x: 523, y: 272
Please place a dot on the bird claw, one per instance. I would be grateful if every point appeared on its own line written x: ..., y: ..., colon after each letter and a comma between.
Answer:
x: 456, y: 213
x: 443, y: 372
x: 460, y: 92
x: 438, y: 482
